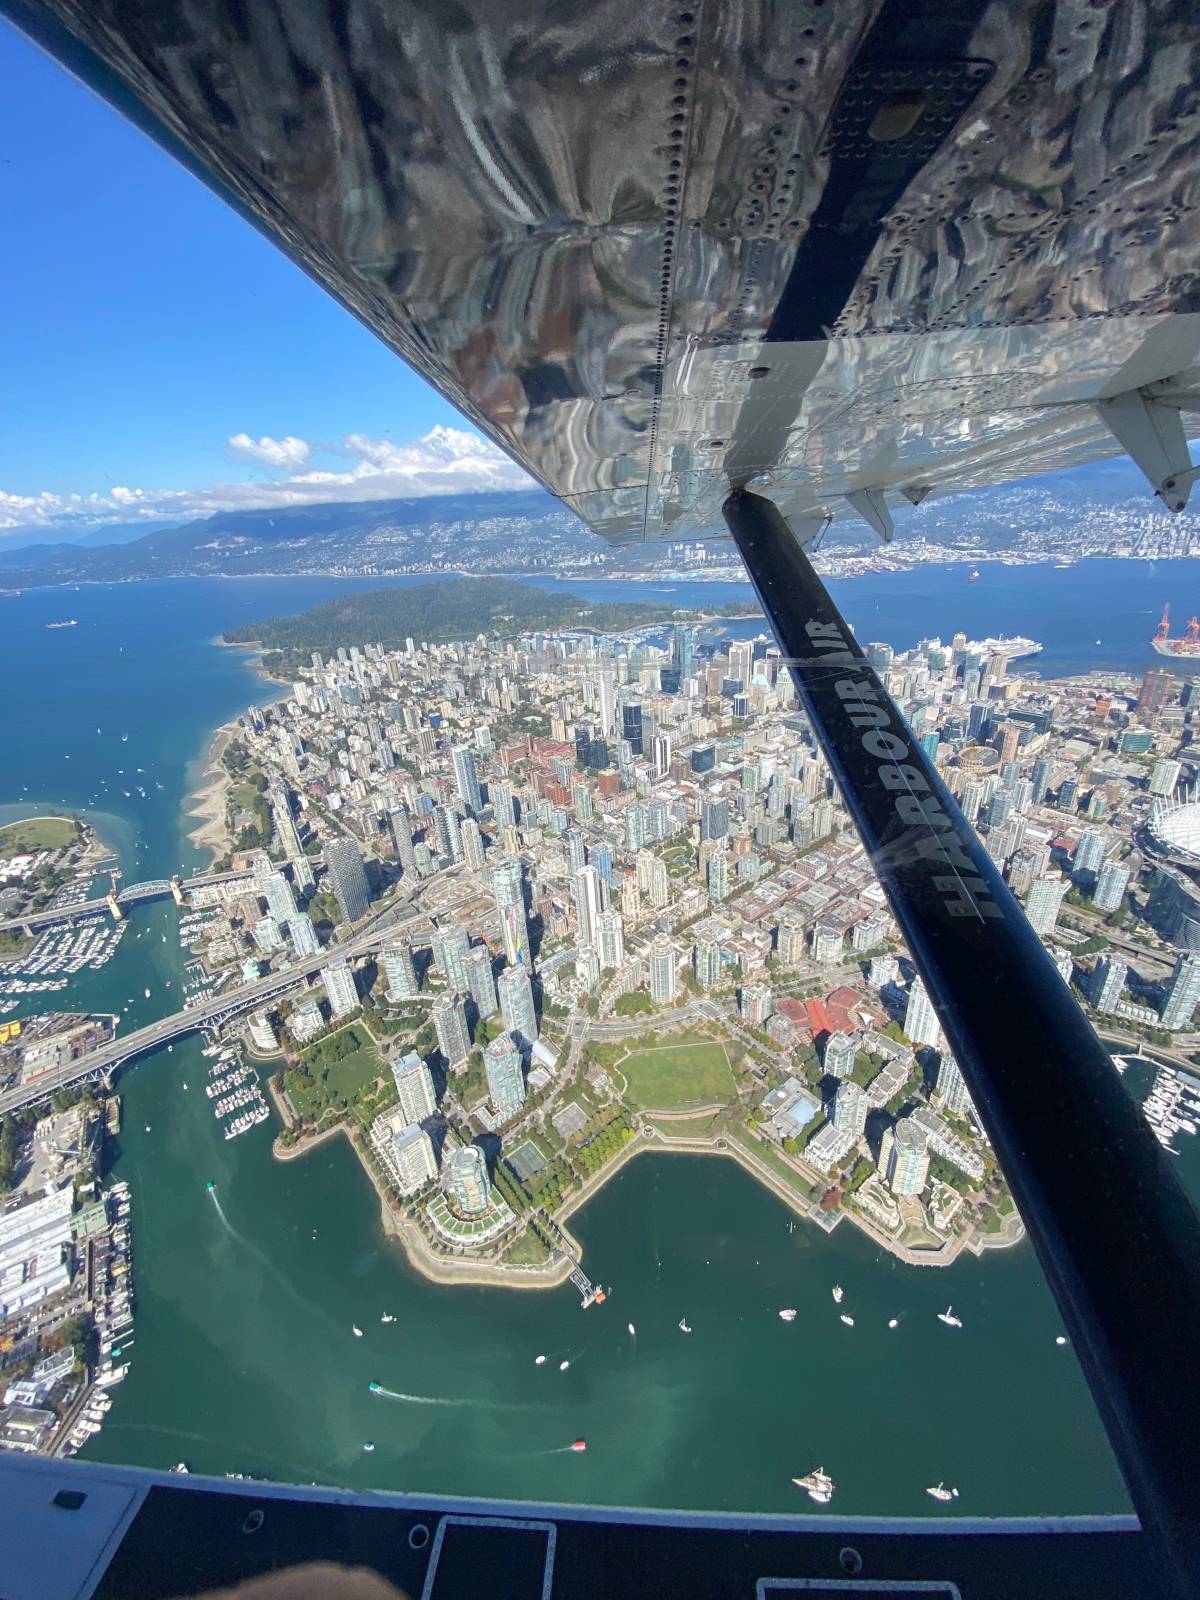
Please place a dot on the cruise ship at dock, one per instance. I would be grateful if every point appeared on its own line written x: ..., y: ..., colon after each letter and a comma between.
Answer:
x: 1015, y: 648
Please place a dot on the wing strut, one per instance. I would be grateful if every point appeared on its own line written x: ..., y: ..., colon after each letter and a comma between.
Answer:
x: 1116, y: 1236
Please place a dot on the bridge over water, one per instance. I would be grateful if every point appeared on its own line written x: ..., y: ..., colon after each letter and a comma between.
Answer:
x: 132, y: 894
x: 100, y: 1064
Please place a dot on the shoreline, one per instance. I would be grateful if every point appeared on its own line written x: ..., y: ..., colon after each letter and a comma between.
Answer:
x: 207, y: 799
x: 450, y: 1270
x: 447, y: 1270
x: 892, y: 566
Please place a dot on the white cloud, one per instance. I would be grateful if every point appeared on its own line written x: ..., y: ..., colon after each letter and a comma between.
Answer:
x: 444, y: 461
x: 290, y: 452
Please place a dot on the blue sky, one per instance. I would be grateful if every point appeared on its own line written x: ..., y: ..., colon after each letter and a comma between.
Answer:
x: 146, y: 324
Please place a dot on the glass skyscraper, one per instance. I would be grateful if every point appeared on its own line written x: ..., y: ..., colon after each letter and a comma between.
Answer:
x: 509, y: 894
x: 467, y: 1179
x: 481, y: 984
x: 506, y: 1080
x: 515, y: 993
x: 631, y: 725
x: 347, y: 878
x: 466, y: 779
x: 1183, y: 993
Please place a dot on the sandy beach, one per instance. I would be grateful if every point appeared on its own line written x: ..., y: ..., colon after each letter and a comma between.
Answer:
x: 207, y: 800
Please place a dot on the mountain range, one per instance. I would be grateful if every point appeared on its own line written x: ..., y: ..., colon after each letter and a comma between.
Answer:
x: 528, y: 531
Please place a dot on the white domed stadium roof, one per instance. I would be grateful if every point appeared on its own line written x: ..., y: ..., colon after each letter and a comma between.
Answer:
x: 1176, y: 828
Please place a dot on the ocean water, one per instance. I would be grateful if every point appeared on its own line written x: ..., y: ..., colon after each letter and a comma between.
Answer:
x: 243, y: 1357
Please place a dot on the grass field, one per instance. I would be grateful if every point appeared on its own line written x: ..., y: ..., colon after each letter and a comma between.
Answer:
x: 686, y: 1127
x: 37, y: 833
x: 675, y: 1076
x: 338, y: 1084
x: 770, y: 1157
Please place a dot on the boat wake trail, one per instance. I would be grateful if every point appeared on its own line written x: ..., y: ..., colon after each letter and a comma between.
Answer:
x: 269, y: 1266
x: 425, y: 1399
x: 228, y: 1226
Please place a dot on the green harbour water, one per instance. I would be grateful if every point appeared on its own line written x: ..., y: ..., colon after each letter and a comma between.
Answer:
x: 243, y: 1357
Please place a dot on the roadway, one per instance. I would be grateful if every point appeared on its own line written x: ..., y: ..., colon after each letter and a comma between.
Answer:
x: 231, y: 1001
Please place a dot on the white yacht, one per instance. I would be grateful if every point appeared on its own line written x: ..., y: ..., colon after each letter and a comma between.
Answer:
x: 949, y: 1318
x: 940, y: 1492
x: 849, y: 1321
x: 788, y: 1314
x: 818, y: 1485
x: 838, y: 1292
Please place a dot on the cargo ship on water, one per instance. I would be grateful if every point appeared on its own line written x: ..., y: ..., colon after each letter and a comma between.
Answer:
x: 1186, y: 646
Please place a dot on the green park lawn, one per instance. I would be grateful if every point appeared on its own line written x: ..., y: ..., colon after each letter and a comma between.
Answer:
x: 675, y: 1076
x: 37, y: 833
x: 324, y: 1084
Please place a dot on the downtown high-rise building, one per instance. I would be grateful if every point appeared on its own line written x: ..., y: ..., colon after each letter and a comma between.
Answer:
x: 1044, y: 902
x: 1164, y: 779
x: 304, y: 935
x: 653, y: 879
x: 718, y: 875
x: 500, y: 793
x: 267, y: 934
x: 451, y: 945
x: 660, y: 750
x: 635, y: 827
x: 631, y: 726
x: 631, y: 897
x: 414, y: 1085
x: 338, y: 979
x: 407, y: 1153
x: 841, y: 1052
x: 400, y: 971
x: 466, y: 779
x: 348, y: 878
x: 920, y: 1019
x: 1111, y: 884
x: 1089, y: 853
x: 449, y: 1019
x: 714, y: 816
x: 951, y: 1088
x: 515, y: 993
x: 509, y: 893
x: 585, y: 889
x: 662, y: 971
x: 1182, y: 993
x: 849, y: 1108
x: 587, y: 965
x: 683, y: 650
x: 610, y: 938
x: 481, y: 982
x: 280, y: 900
x: 706, y: 961
x: 447, y: 827
x: 505, y: 1076
x: 755, y: 1003
x: 904, y: 1157
x: 467, y: 1179
x: 401, y: 825
x: 1107, y: 982
x: 472, y: 841
x: 573, y: 850
x: 606, y: 702
x: 741, y: 661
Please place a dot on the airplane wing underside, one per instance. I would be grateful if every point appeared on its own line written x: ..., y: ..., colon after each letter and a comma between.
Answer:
x: 654, y: 250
